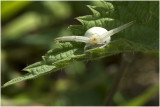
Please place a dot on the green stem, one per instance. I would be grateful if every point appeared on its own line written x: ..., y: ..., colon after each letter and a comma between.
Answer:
x: 127, y: 59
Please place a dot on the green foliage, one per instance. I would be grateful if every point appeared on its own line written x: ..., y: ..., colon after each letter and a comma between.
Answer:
x: 11, y: 8
x: 32, y: 20
x: 143, y: 98
x: 23, y: 23
x: 142, y: 36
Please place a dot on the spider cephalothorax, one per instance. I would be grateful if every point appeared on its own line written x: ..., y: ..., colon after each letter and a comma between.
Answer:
x: 95, y: 36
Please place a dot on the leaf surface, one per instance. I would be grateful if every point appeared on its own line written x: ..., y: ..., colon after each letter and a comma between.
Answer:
x: 140, y: 37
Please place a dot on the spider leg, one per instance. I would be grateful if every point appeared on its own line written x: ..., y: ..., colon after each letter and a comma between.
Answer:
x: 93, y: 47
x: 103, y: 45
x: 116, y: 30
x: 73, y: 38
x: 86, y: 46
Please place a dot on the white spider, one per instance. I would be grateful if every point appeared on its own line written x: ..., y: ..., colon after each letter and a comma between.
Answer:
x: 95, y: 36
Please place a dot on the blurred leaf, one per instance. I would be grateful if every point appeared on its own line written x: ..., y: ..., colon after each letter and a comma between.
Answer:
x: 131, y: 40
x: 119, y: 98
x: 144, y: 97
x: 20, y: 100
x: 11, y: 8
x: 53, y: 12
x: 62, y: 85
x: 59, y: 9
x: 22, y: 25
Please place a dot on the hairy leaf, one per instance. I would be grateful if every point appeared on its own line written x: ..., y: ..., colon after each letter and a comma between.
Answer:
x: 142, y: 36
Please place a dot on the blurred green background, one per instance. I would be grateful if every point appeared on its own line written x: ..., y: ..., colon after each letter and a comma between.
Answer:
x: 28, y: 29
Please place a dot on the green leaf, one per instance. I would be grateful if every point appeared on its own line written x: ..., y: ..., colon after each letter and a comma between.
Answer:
x: 11, y: 8
x: 140, y: 37
x: 144, y: 97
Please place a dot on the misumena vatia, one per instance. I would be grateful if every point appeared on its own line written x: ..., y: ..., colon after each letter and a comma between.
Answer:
x: 95, y: 36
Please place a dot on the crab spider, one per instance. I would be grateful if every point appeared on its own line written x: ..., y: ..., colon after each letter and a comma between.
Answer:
x: 95, y: 36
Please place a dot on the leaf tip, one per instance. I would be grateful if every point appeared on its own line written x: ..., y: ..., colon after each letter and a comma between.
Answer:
x: 89, y: 6
x: 4, y: 85
x: 24, y: 69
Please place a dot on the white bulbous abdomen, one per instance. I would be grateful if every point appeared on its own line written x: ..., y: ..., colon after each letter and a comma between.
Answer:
x: 95, y: 30
x: 96, y: 35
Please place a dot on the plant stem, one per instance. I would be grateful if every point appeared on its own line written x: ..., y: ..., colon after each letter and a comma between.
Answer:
x: 127, y: 59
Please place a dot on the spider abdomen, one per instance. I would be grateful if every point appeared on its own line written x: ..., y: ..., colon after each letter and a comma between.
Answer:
x: 96, y: 36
